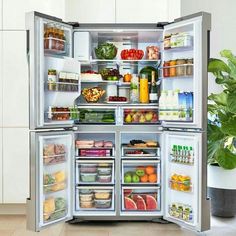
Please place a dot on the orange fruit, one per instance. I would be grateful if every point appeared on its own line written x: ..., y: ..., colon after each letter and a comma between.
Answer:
x: 144, y: 178
x: 150, y: 170
x: 152, y: 178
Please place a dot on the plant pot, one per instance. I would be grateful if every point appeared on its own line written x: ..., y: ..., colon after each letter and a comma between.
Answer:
x: 222, y: 191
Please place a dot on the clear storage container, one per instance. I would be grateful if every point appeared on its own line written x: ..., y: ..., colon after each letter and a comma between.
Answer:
x: 102, y: 203
x: 88, y: 177
x: 104, y: 178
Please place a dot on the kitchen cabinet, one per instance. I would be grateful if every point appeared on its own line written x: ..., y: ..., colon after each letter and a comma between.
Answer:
x: 90, y: 11
x: 15, y: 79
x: 139, y: 11
x: 14, y: 11
x: 16, y: 165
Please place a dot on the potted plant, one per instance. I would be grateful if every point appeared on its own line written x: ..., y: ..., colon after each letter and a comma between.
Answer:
x: 222, y: 137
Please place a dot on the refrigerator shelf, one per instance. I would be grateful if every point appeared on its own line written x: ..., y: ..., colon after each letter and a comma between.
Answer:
x: 54, y: 51
x: 182, y: 163
x: 178, y: 49
x: 177, y: 77
x: 181, y: 65
x: 89, y: 148
x: 94, y: 157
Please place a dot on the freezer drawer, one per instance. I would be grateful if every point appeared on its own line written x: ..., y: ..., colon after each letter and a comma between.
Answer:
x: 95, y: 172
x: 144, y: 115
x: 140, y: 172
x: 140, y: 200
x: 95, y: 200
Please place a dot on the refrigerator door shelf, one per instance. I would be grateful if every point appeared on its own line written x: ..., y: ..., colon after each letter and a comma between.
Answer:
x: 140, y: 201
x: 194, y: 35
x: 95, y: 172
x: 185, y: 185
x: 51, y: 182
x: 140, y: 172
x: 94, y: 201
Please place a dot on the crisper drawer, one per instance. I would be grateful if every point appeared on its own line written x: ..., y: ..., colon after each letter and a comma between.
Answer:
x: 95, y: 172
x: 138, y: 200
x: 144, y: 115
x: 95, y: 200
x: 96, y: 116
x: 140, y: 172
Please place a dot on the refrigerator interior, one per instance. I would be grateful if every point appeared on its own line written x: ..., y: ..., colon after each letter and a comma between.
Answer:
x: 55, y: 154
x: 140, y: 174
x: 182, y: 176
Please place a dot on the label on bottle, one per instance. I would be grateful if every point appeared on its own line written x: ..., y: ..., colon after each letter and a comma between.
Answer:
x: 153, y: 96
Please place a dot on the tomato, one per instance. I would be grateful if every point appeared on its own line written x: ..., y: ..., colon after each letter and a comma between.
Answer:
x: 132, y: 54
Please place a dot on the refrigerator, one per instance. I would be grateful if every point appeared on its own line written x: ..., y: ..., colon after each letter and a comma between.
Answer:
x: 117, y: 161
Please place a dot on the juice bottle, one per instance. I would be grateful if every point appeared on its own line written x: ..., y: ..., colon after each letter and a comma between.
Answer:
x: 143, y: 90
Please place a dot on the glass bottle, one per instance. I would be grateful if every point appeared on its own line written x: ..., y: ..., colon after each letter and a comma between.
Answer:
x: 143, y: 90
x: 134, y: 89
x: 153, y: 90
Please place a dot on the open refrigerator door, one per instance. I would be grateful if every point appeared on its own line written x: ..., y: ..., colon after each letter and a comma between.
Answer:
x: 51, y: 179
x: 53, y: 73
x: 184, y: 72
x: 185, y: 164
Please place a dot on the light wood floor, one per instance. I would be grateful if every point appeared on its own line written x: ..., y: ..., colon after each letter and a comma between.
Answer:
x: 16, y: 226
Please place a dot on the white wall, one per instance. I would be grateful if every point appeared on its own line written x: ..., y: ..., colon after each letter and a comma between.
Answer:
x: 223, y: 26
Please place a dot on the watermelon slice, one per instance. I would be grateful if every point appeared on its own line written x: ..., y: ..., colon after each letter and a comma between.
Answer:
x: 151, y: 202
x: 141, y: 205
x: 127, y: 192
x: 130, y: 204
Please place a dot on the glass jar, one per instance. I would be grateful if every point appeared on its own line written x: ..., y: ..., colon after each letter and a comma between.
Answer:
x: 189, y: 70
x: 172, y: 69
x: 167, y: 42
x: 166, y: 71
x: 52, y: 79
x: 144, y: 91
x: 180, y: 69
x: 134, y: 89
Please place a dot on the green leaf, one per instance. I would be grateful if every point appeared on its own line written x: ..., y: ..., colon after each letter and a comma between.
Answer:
x: 214, y: 133
x: 225, y: 158
x: 231, y: 102
x: 220, y: 98
x: 229, y: 127
x: 212, y: 148
x: 229, y: 55
x: 217, y: 65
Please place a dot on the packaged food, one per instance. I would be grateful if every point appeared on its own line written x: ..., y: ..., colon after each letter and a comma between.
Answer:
x: 85, y: 191
x: 181, y: 40
x: 86, y: 197
x: 84, y: 143
x: 93, y: 94
x: 180, y: 70
x: 104, y: 170
x: 88, y: 168
x: 59, y: 149
x: 89, y: 204
x: 108, y: 144
x: 88, y: 177
x: 48, y: 150
x: 152, y: 52
x: 99, y: 143
x: 104, y: 178
x: 102, y: 203
x: 50, y: 160
x: 102, y: 194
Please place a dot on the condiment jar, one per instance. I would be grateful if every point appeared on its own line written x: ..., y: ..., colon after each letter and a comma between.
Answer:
x: 166, y: 69
x: 180, y: 69
x: 172, y: 68
x: 167, y: 42
x: 189, y: 70
x: 52, y: 79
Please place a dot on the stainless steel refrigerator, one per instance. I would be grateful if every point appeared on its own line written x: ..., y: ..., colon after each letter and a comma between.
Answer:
x: 82, y: 163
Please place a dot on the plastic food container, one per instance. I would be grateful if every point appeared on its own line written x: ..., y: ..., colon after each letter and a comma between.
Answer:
x: 88, y: 168
x: 104, y: 170
x: 86, y: 197
x: 104, y: 178
x: 102, y: 203
x: 85, y: 191
x: 54, y: 187
x: 103, y: 194
x: 88, y: 177
x: 89, y: 204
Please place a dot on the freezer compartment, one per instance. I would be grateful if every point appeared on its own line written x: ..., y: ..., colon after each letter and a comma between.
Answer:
x: 136, y: 200
x: 96, y: 116
x: 139, y: 116
x: 95, y: 172
x: 95, y: 200
x: 137, y: 172
x: 101, y: 145
x: 140, y: 145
